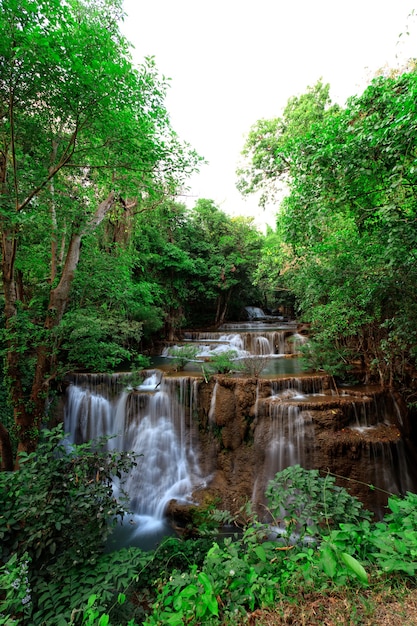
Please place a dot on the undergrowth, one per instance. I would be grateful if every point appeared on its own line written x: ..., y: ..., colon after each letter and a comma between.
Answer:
x: 319, y: 543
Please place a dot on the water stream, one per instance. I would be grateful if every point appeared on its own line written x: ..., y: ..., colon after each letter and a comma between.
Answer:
x: 152, y: 420
x: 157, y: 421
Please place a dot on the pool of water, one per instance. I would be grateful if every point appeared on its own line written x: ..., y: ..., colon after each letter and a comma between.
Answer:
x: 276, y: 366
x: 140, y: 531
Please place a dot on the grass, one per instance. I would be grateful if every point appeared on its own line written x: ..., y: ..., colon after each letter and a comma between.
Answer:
x: 392, y: 603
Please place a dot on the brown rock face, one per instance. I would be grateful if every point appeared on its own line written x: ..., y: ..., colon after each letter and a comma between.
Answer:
x: 250, y: 429
x: 229, y: 436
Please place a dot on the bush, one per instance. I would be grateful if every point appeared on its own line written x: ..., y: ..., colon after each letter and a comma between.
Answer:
x: 58, y: 509
x: 182, y: 355
x: 254, y: 366
x: 224, y: 362
x: 305, y: 503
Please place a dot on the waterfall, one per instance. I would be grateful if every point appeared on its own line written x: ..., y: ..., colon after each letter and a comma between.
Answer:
x: 289, y: 429
x: 257, y: 425
x: 212, y: 411
x: 264, y: 342
x: 254, y: 313
x: 155, y: 422
x: 263, y: 346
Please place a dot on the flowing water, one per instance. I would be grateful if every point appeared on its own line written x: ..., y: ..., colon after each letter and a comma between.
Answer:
x: 155, y: 421
x: 152, y: 420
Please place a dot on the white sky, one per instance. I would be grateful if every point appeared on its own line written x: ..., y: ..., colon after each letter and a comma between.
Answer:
x: 233, y: 62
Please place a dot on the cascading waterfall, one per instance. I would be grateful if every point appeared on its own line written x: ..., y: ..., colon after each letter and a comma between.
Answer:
x: 284, y: 417
x: 212, y: 411
x: 264, y: 342
x: 151, y: 421
x: 289, y: 426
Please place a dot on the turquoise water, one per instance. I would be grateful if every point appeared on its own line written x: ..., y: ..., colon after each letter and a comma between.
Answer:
x: 276, y: 366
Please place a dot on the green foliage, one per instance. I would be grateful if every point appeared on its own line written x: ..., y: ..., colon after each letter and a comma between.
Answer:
x: 394, y: 540
x: 224, y: 362
x: 201, y: 260
x: 308, y: 504
x: 54, y: 492
x: 186, y: 597
x: 98, y: 341
x: 14, y: 584
x: 67, y: 598
x: 182, y: 355
x: 345, y: 243
x: 220, y: 582
x: 237, y: 572
x: 267, y: 149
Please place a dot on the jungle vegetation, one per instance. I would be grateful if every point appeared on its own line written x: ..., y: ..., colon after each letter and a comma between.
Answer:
x: 101, y: 261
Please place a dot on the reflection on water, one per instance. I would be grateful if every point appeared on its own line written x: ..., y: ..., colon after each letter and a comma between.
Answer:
x: 276, y: 366
x: 284, y: 366
x: 139, y: 531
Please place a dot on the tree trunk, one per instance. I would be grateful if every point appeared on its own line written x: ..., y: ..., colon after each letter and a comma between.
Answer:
x: 222, y: 306
x: 28, y: 415
x: 6, y: 456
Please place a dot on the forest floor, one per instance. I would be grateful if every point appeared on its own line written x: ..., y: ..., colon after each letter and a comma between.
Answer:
x: 389, y: 607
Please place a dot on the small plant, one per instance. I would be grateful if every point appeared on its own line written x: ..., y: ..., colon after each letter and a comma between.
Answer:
x: 224, y: 362
x: 253, y: 366
x: 182, y: 355
x: 307, y: 503
x: 184, y: 598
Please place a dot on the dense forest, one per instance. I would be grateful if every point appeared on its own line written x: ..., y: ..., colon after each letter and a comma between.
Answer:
x: 101, y: 263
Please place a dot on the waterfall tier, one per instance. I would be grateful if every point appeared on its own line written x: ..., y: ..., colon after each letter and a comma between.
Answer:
x: 154, y: 421
x: 225, y: 437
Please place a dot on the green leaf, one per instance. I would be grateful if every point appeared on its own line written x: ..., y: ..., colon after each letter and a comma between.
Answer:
x: 91, y: 600
x: 329, y: 561
x: 190, y: 590
x: 356, y: 567
x: 205, y: 581
x: 212, y: 605
x: 260, y: 553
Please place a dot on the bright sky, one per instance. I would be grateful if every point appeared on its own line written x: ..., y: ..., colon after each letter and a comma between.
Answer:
x: 233, y: 62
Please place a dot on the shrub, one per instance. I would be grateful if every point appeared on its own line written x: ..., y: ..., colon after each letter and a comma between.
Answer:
x: 306, y: 503
x: 182, y: 355
x: 254, y: 366
x: 224, y: 362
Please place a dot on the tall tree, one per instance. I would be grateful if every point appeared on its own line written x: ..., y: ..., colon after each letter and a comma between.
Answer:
x: 267, y: 150
x: 226, y: 250
x: 81, y: 131
x: 351, y: 222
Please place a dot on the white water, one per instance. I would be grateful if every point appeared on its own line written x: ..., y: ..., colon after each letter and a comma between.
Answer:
x: 289, y: 431
x: 254, y: 312
x: 154, y: 422
x: 266, y: 342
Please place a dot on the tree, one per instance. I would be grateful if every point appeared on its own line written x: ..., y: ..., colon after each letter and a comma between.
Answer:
x: 350, y: 219
x: 226, y: 250
x: 82, y: 131
x: 267, y: 150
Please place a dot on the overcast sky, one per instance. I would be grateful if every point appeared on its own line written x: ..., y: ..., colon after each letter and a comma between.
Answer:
x: 233, y: 62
